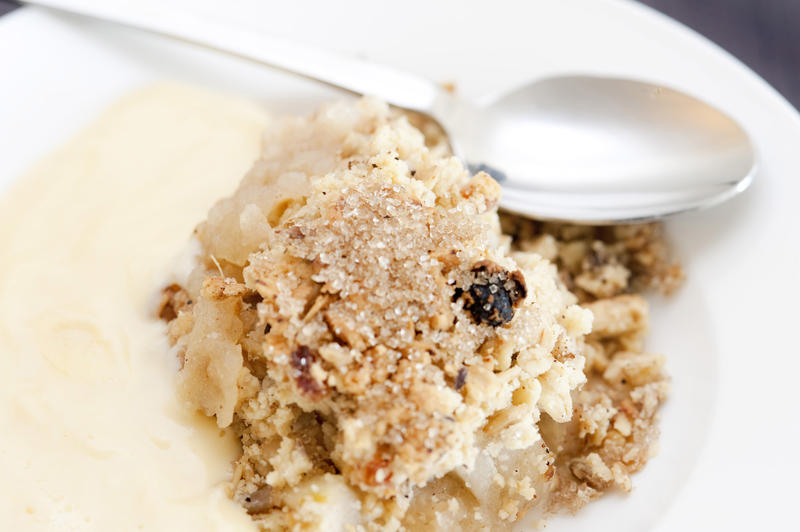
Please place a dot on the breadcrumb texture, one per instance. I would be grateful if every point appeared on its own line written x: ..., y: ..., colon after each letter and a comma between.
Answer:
x: 389, y: 359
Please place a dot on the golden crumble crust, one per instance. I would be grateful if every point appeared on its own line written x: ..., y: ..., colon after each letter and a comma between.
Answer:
x: 388, y: 361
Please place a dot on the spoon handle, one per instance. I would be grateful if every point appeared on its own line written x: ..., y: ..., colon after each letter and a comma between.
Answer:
x: 348, y: 73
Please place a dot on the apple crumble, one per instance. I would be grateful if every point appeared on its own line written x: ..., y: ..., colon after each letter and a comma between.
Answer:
x: 390, y: 359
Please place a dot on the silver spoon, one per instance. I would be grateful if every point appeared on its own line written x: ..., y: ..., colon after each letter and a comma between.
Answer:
x: 574, y: 148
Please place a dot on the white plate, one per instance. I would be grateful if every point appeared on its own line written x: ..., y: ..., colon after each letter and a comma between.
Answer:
x: 728, y: 459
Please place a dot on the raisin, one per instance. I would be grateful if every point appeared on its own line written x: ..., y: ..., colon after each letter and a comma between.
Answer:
x: 461, y: 379
x: 302, y: 359
x: 494, y: 294
x: 492, y: 308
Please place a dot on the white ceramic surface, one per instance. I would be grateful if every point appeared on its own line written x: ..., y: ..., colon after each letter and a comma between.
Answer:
x: 728, y: 458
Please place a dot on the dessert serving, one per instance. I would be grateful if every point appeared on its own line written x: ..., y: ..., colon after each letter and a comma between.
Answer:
x: 352, y: 339
x: 393, y: 355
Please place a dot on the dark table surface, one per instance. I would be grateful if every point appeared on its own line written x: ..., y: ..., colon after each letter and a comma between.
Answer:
x: 764, y: 34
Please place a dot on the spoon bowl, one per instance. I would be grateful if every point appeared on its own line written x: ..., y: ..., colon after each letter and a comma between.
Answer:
x: 602, y: 150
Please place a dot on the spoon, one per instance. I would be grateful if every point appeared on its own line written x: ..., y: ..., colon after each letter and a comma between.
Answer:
x: 572, y: 148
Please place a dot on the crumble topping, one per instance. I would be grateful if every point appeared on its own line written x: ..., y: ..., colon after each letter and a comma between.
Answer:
x: 386, y: 358
x: 613, y: 431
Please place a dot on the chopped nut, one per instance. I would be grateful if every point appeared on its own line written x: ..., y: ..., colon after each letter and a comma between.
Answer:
x: 442, y: 321
x: 218, y: 288
x: 319, y: 303
x: 619, y: 315
x: 342, y: 331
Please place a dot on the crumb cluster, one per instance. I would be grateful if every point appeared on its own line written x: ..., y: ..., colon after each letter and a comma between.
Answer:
x: 388, y: 360
x: 613, y: 431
